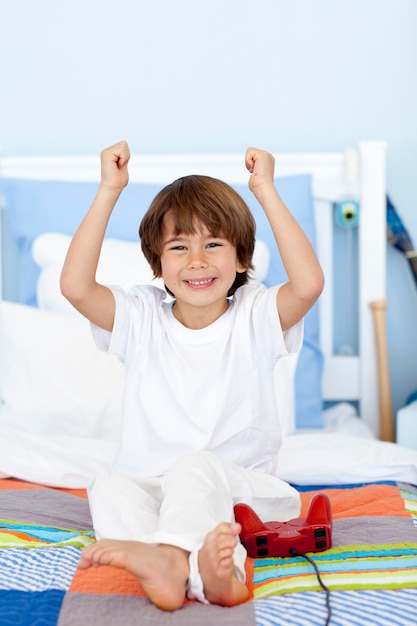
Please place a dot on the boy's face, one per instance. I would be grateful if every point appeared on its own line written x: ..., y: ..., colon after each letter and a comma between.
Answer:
x: 197, y: 268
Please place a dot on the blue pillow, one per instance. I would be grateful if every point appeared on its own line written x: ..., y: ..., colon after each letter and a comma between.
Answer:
x: 35, y: 207
x: 296, y: 192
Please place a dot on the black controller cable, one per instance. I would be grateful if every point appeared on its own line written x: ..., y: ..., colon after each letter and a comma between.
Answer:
x: 294, y: 552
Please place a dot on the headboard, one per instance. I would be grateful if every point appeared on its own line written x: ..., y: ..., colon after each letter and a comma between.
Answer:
x: 356, y: 174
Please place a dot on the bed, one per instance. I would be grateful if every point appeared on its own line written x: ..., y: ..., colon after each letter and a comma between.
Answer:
x: 61, y: 398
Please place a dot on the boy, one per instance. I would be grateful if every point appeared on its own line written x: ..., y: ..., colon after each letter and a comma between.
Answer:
x: 200, y: 429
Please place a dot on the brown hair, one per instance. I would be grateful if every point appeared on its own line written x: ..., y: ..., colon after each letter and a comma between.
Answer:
x: 194, y: 200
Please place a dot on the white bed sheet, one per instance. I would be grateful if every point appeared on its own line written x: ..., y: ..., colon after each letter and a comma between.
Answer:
x: 319, y: 458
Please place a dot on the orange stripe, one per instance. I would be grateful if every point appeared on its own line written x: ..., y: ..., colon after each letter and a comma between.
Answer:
x: 16, y: 484
x: 373, y: 500
x: 106, y: 580
x: 81, y: 493
x: 249, y: 568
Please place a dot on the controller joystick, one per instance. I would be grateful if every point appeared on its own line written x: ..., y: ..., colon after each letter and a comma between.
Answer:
x: 300, y: 535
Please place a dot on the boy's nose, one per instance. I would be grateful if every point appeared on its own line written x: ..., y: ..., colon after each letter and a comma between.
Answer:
x: 197, y: 260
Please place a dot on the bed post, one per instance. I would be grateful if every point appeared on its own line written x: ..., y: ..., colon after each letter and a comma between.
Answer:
x: 372, y: 276
x: 386, y: 418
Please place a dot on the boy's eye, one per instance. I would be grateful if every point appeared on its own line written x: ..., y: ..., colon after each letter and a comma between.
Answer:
x: 213, y: 244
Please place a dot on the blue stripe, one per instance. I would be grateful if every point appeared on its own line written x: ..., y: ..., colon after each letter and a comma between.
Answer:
x: 38, y: 570
x: 307, y: 488
x: 28, y: 609
x: 47, y: 534
x: 360, y: 608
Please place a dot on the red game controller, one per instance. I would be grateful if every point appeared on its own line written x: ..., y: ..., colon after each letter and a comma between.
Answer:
x: 297, y: 536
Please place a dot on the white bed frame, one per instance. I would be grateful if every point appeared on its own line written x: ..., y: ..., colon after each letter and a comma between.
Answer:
x: 358, y: 171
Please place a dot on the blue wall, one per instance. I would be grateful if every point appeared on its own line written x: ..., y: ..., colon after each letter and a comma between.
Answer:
x: 188, y: 76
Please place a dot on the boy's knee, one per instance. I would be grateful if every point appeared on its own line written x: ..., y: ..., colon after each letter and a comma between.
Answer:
x: 201, y: 467
x: 197, y: 461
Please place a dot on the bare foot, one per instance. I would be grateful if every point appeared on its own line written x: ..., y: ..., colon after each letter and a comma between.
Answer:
x: 216, y: 565
x: 162, y: 570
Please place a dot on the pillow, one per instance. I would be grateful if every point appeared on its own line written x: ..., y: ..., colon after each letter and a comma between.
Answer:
x: 121, y: 263
x: 35, y: 207
x: 296, y: 193
x: 52, y: 377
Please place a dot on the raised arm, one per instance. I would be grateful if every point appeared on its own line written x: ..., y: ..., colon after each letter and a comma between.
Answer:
x: 305, y: 276
x: 78, y: 277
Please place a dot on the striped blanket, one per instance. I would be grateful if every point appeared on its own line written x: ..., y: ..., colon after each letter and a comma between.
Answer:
x: 371, y: 569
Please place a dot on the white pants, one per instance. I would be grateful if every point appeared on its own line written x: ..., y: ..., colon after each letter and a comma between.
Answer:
x: 181, y: 507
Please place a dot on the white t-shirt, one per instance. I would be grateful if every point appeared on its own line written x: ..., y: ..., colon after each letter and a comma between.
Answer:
x: 190, y: 390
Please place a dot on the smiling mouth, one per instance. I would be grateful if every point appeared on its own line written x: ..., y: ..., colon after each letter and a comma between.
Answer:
x: 199, y: 283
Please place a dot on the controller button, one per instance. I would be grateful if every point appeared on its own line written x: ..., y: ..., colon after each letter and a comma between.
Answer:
x: 262, y: 540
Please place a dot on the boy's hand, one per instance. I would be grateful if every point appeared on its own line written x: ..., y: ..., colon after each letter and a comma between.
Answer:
x: 114, y: 160
x: 261, y: 166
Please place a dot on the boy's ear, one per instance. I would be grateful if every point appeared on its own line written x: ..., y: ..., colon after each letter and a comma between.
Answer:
x: 240, y: 268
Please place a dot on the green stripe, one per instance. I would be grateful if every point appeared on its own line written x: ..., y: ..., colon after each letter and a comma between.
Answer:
x: 339, y: 582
